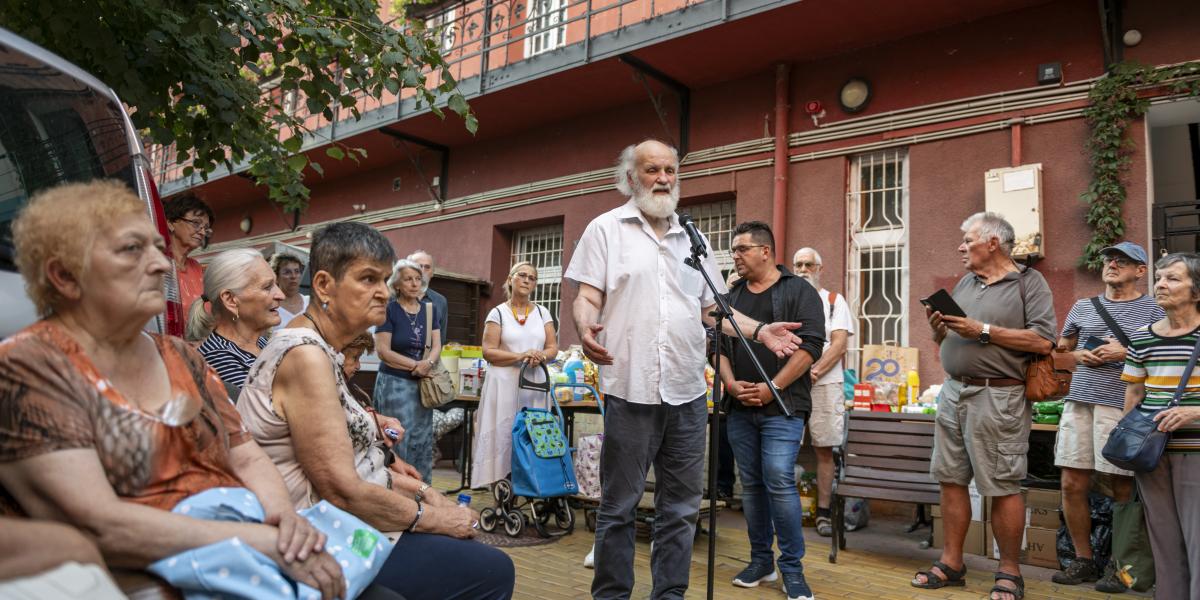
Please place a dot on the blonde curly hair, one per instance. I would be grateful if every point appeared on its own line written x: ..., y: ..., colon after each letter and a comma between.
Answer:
x: 63, y: 223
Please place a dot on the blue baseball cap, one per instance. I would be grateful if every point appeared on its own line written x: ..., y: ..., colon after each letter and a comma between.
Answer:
x: 1129, y: 249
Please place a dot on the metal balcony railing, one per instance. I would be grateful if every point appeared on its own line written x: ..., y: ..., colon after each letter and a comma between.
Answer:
x: 480, y: 39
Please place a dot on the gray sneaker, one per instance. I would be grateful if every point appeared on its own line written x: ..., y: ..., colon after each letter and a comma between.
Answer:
x: 754, y: 574
x: 1081, y: 570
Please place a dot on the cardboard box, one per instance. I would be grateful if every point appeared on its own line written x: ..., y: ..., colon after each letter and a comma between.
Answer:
x: 1051, y: 499
x: 1042, y: 508
x: 1041, y: 549
x: 1045, y: 518
x: 973, y: 543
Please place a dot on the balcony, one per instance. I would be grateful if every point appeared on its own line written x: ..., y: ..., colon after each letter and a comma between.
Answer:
x: 491, y: 45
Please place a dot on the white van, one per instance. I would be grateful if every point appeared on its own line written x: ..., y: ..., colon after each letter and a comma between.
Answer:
x: 59, y: 124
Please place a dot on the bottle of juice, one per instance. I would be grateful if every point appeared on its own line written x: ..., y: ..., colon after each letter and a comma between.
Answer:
x: 914, y: 387
x: 808, y: 499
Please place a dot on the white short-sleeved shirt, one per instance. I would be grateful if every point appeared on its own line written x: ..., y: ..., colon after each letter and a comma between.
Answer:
x: 652, y: 304
x: 838, y: 318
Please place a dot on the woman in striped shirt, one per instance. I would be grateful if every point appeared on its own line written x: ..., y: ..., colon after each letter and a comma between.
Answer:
x: 1157, y: 357
x: 240, y: 288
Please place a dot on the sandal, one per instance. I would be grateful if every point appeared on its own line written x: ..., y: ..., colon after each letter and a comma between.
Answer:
x: 1018, y: 593
x: 933, y: 581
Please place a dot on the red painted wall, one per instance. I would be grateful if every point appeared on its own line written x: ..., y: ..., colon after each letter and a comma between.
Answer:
x: 988, y: 55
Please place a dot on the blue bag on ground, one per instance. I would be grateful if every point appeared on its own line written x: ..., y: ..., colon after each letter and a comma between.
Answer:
x: 541, y: 456
x: 232, y: 569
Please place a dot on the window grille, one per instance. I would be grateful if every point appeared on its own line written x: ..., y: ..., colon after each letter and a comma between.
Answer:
x: 716, y: 221
x: 545, y: 28
x: 443, y: 28
x: 542, y: 247
x: 877, y: 273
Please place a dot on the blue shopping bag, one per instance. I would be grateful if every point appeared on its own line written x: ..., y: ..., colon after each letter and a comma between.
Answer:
x: 541, y: 456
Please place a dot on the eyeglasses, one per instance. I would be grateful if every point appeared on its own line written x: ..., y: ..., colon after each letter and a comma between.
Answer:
x: 200, y: 226
x: 806, y: 265
x: 739, y: 250
x: 526, y: 277
x: 1120, y: 261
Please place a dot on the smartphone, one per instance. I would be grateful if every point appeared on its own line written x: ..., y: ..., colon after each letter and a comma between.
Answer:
x: 1093, y: 342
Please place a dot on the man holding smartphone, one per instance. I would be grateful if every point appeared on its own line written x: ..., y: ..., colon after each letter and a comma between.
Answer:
x: 1096, y: 331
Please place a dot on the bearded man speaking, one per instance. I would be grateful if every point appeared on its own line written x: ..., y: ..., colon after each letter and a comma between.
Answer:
x: 640, y: 314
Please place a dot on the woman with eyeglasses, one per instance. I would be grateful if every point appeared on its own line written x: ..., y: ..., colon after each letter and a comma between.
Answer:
x: 516, y: 333
x: 189, y: 221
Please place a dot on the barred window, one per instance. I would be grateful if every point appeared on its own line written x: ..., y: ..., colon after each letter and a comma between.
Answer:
x: 542, y: 247
x: 716, y: 221
x: 877, y: 273
x: 545, y: 28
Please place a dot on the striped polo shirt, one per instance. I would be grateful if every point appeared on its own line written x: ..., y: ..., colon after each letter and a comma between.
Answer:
x: 1102, y: 384
x: 231, y: 363
x: 1158, y: 362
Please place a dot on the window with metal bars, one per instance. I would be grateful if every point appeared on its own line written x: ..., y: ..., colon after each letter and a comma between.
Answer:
x: 877, y: 265
x: 542, y: 247
x: 444, y: 28
x: 545, y: 28
x: 716, y: 221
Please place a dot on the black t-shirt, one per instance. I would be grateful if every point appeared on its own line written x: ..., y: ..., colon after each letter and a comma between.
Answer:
x: 757, y: 307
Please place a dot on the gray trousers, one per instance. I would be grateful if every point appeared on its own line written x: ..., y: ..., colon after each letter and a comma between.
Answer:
x: 636, y: 436
x: 1171, y: 498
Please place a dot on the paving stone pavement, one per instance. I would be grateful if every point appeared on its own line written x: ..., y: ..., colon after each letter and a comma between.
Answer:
x: 555, y: 571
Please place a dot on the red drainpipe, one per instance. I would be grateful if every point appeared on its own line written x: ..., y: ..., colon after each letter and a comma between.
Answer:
x: 779, y: 204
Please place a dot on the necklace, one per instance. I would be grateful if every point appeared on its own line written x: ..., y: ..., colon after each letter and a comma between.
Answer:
x: 412, y: 319
x: 520, y: 320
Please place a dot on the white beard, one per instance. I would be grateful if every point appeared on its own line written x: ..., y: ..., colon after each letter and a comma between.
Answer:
x: 814, y: 280
x: 655, y: 205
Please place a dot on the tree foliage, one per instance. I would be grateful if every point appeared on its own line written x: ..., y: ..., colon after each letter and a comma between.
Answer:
x: 194, y: 72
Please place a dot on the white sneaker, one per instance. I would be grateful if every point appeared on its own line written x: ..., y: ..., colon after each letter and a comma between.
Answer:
x: 589, y: 561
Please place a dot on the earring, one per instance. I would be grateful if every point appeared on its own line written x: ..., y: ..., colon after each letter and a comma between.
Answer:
x: 235, y: 318
x: 324, y: 306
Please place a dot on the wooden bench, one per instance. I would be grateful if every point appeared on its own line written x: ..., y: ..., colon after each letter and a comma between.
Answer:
x: 885, y: 456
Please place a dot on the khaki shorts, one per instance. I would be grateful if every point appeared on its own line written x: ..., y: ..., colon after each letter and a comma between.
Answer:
x: 826, y: 422
x: 981, y: 433
x: 1082, y: 432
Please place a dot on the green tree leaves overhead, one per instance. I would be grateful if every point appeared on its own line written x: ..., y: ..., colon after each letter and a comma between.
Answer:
x: 1116, y: 100
x: 195, y: 73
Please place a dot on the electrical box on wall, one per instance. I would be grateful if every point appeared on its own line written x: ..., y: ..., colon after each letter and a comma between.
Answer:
x: 1016, y: 194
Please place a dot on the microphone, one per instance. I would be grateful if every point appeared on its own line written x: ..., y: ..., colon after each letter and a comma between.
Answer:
x: 699, y: 248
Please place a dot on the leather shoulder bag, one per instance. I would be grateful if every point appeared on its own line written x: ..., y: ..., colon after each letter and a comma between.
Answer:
x: 1048, y: 376
x: 437, y: 389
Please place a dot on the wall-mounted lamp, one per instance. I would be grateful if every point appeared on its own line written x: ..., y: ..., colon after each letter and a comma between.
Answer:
x: 247, y: 224
x: 854, y: 95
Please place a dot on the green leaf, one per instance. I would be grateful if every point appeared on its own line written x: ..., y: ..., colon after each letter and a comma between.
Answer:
x: 293, y: 144
x: 318, y: 168
x: 297, y: 162
x: 335, y: 153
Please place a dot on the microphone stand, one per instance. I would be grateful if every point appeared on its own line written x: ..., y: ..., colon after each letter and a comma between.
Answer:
x: 722, y: 312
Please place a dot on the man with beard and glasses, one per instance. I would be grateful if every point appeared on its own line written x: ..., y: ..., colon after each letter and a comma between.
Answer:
x: 640, y: 314
x: 826, y: 424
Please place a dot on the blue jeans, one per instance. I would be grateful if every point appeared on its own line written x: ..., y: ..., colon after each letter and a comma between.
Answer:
x: 766, y: 448
x: 400, y: 397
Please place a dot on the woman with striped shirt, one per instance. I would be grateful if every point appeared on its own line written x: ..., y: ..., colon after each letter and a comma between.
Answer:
x: 1157, y: 357
x: 240, y: 289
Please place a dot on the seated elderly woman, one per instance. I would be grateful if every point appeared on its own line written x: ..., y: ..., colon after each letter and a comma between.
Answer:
x: 111, y: 429
x: 298, y: 406
x: 240, y: 288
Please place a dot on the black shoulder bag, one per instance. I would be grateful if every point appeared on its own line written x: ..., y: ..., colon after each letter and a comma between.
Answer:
x: 1136, y: 444
x: 1111, y: 322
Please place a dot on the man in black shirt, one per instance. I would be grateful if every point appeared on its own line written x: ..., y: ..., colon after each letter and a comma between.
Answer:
x: 765, y: 442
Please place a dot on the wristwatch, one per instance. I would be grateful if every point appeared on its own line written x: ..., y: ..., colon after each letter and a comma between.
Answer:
x: 985, y: 336
x: 420, y: 495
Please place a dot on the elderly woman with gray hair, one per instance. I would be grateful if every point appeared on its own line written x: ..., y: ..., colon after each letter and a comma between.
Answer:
x: 408, y: 344
x: 1154, y: 366
x: 244, y: 297
x: 298, y: 406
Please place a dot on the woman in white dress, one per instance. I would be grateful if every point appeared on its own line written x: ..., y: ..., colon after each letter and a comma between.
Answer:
x: 516, y: 333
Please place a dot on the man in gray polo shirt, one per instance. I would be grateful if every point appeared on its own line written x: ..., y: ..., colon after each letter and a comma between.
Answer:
x: 982, y: 428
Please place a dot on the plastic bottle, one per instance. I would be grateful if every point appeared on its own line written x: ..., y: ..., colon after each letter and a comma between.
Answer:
x: 808, y: 500
x: 573, y: 367
x: 914, y: 387
x: 464, y: 499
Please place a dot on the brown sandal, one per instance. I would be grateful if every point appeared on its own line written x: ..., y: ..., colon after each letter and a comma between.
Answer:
x: 1018, y: 593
